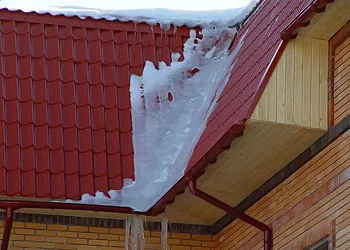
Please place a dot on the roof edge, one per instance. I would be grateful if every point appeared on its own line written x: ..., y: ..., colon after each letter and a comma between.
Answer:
x: 332, y: 134
x: 303, y: 19
x: 89, y: 22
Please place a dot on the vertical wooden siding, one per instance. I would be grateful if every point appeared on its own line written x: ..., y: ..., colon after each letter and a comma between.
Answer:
x: 312, y: 204
x: 341, y: 91
x: 297, y: 91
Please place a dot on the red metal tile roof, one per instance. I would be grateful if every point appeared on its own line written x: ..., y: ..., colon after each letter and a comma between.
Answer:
x: 263, y: 38
x: 256, y: 60
x: 65, y: 120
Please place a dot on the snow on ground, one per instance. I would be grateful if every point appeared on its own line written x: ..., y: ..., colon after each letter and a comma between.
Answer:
x: 165, y: 17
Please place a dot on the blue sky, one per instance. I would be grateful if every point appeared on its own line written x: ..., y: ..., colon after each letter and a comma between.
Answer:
x: 131, y: 4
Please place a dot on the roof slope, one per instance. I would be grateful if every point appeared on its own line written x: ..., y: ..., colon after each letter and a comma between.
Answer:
x: 255, y: 61
x: 241, y: 94
x: 65, y: 121
x: 65, y: 106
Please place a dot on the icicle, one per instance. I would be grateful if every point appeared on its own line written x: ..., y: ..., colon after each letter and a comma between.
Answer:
x: 134, y: 234
x: 141, y: 235
x: 164, y: 233
x: 127, y: 231
x: 137, y: 233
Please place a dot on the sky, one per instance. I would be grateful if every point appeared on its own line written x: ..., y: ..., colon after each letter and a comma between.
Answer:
x: 199, y: 5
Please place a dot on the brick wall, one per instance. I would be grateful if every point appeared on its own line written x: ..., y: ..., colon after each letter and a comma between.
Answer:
x: 54, y: 236
x: 339, y: 87
x: 342, y: 80
x: 310, y: 205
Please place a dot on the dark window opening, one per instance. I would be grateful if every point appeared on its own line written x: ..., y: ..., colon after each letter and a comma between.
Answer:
x: 323, y: 245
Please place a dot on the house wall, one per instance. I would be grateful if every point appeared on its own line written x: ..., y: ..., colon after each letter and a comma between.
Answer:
x: 310, y: 205
x: 55, y: 236
x: 341, y: 68
x: 297, y: 91
x: 313, y: 203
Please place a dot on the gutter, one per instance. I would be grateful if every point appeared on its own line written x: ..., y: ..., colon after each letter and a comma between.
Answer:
x: 234, y: 213
x: 12, y: 206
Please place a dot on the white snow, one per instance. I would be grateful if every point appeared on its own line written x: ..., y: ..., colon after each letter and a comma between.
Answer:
x: 165, y: 17
x: 170, y: 108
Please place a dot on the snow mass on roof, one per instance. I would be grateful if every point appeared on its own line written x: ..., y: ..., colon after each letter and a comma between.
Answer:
x: 165, y: 17
x: 172, y: 103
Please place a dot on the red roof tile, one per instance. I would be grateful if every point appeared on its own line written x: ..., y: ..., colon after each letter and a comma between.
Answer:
x: 65, y: 120
x: 262, y: 39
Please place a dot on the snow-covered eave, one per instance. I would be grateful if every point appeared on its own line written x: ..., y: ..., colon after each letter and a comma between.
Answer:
x: 89, y: 22
x: 162, y: 17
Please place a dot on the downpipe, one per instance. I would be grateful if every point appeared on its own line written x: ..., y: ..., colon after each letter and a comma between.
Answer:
x: 7, y: 228
x: 234, y: 213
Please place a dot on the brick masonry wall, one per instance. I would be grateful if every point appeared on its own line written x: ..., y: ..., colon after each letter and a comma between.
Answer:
x: 342, y: 80
x: 339, y: 75
x: 54, y: 236
x: 312, y: 204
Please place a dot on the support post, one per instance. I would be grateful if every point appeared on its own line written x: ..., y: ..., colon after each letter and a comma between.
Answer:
x: 7, y: 228
x: 235, y: 213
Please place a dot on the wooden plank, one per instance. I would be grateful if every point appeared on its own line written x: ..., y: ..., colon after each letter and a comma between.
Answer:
x: 295, y: 197
x: 290, y: 68
x: 255, y: 115
x: 264, y: 105
x: 323, y: 123
x: 273, y: 97
x: 310, y: 177
x: 306, y: 101
x: 298, y: 77
x: 263, y: 149
x: 320, y: 26
x: 315, y: 83
x: 281, y: 89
